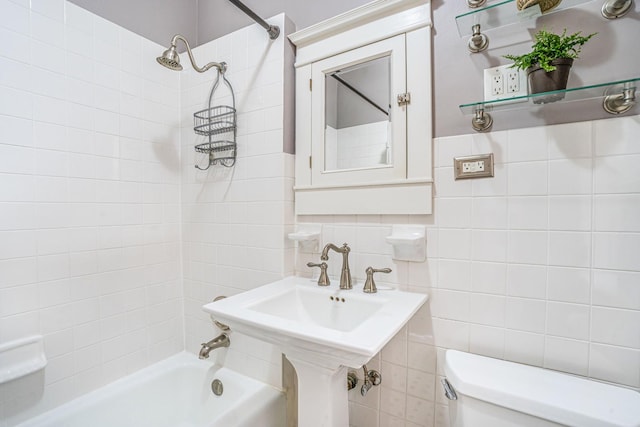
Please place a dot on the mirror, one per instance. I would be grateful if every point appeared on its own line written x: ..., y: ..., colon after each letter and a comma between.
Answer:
x: 357, y: 131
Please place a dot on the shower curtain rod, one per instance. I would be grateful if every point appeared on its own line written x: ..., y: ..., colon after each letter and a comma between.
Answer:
x: 360, y: 94
x: 272, y: 30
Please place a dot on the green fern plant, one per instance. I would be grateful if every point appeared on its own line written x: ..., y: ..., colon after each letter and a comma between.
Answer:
x: 549, y: 46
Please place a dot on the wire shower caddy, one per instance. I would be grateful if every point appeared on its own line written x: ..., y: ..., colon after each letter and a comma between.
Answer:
x: 219, y: 121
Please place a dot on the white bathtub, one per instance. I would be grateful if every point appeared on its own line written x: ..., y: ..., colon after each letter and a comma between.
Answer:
x: 173, y: 393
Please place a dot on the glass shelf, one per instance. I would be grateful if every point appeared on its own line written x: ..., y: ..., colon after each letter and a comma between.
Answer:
x: 504, y: 13
x: 533, y: 100
x: 615, y: 97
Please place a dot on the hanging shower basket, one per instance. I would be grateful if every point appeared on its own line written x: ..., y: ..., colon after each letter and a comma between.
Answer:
x: 214, y: 120
x: 219, y: 121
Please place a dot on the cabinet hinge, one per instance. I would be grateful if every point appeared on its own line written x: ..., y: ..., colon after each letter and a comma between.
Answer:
x: 404, y: 98
x: 309, y: 162
x: 310, y: 84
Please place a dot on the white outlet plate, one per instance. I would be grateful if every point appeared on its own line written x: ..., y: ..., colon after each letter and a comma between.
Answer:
x: 504, y: 82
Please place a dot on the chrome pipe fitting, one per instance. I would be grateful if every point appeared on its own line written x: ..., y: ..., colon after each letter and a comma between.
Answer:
x: 371, y: 378
x: 222, y: 326
x: 352, y: 380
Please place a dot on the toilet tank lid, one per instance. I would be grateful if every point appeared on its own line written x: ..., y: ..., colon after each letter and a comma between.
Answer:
x: 550, y: 395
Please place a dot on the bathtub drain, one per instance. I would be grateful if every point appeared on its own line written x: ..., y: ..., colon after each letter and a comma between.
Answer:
x: 216, y: 387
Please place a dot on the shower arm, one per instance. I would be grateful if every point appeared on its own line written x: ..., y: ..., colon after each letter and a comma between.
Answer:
x: 221, y: 66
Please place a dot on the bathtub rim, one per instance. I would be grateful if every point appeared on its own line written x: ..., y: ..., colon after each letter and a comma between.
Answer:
x: 175, y: 361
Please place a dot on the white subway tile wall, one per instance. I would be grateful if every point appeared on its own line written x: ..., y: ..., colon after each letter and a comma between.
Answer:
x: 89, y: 201
x: 538, y: 265
x: 235, y: 220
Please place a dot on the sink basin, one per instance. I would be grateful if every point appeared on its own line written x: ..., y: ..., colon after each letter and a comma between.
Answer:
x: 315, y: 307
x: 331, y: 326
x: 322, y: 331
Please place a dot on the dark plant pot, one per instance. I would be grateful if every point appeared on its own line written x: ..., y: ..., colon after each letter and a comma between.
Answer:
x: 547, y: 81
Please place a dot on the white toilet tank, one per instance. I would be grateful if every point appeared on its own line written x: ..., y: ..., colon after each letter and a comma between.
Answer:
x: 495, y: 393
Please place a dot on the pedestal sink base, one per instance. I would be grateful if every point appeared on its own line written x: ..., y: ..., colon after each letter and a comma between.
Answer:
x: 322, y: 394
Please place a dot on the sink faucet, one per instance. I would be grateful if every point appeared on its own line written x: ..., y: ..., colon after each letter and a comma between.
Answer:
x: 345, y: 274
x: 219, y: 341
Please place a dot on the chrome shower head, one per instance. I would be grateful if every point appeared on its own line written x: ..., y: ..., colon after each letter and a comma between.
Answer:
x: 170, y: 59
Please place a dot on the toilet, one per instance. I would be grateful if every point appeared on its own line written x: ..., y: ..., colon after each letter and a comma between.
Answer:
x: 486, y: 392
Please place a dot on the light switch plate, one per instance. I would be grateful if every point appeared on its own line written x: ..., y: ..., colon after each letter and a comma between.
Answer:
x: 478, y: 166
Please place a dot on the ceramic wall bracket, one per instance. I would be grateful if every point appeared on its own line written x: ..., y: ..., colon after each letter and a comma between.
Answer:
x: 307, y: 236
x: 409, y: 242
x: 21, y: 357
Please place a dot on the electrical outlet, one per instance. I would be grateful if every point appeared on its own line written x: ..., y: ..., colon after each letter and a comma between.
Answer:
x: 504, y: 82
x: 513, y: 81
x: 479, y: 166
x: 473, y: 166
x: 497, y: 84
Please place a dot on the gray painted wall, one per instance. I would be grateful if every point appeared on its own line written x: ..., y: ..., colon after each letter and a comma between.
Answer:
x: 457, y: 78
x: 219, y: 17
x: 201, y: 21
x: 157, y: 20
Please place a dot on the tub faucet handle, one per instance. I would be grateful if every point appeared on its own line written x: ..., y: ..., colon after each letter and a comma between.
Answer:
x: 370, y: 284
x: 323, y: 280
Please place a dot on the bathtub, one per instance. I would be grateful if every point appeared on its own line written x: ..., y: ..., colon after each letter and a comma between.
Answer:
x: 175, y: 392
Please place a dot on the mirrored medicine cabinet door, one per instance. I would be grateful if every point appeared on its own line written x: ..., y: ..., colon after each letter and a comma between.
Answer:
x: 357, y: 113
x: 360, y: 137
x: 363, y: 103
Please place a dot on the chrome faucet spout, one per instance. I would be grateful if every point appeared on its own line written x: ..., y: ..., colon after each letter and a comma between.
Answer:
x: 218, y: 342
x: 345, y: 273
x: 325, y: 251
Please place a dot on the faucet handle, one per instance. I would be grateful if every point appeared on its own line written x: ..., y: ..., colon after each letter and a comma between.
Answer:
x: 370, y: 284
x: 323, y: 280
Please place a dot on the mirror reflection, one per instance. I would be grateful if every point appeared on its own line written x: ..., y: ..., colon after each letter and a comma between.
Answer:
x: 358, y: 116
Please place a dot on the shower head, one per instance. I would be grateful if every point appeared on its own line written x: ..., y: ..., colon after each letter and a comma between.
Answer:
x: 170, y: 59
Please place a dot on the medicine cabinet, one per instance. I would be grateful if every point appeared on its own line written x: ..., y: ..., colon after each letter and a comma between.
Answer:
x: 363, y: 112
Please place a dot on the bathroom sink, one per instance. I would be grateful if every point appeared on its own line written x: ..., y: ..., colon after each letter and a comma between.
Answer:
x: 323, y: 331
x: 324, y: 325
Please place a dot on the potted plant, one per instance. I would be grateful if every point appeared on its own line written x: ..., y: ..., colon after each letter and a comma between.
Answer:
x: 549, y: 62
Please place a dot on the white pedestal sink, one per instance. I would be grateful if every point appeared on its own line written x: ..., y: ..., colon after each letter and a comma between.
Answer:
x: 323, y: 331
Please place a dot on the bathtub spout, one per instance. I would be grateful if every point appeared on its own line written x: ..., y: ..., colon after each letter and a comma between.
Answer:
x: 217, y: 342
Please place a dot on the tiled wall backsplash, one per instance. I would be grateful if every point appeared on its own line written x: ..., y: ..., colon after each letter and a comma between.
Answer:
x: 89, y: 201
x: 537, y: 265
